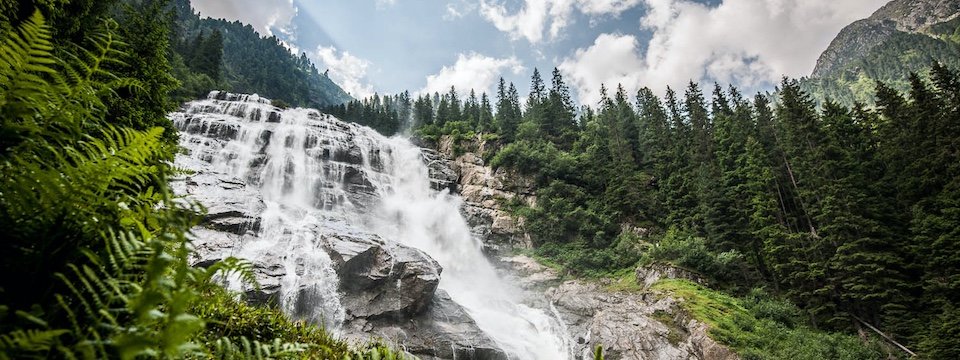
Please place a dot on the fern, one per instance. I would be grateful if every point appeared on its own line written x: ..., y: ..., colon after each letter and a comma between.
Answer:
x: 95, y: 249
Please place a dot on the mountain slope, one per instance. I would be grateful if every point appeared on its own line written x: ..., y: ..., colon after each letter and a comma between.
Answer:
x: 253, y: 64
x: 903, y: 36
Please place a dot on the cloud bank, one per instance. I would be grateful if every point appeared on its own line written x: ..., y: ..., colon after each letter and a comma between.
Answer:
x: 748, y: 43
x: 471, y: 71
x: 537, y: 17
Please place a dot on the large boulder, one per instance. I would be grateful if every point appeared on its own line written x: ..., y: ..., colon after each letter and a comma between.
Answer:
x: 650, y: 274
x: 380, y: 280
x: 443, y: 331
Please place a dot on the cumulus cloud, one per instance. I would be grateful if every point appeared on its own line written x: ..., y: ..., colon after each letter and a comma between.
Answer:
x: 537, y: 17
x: 348, y: 71
x: 266, y: 16
x: 748, y: 43
x: 612, y: 59
x: 471, y: 71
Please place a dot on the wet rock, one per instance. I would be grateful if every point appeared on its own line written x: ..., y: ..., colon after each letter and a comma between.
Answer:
x: 349, y: 155
x: 231, y: 206
x: 381, y: 282
x: 443, y: 331
x: 442, y: 174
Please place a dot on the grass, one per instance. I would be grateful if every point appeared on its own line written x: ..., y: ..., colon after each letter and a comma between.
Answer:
x: 676, y: 333
x: 624, y: 280
x: 736, y: 323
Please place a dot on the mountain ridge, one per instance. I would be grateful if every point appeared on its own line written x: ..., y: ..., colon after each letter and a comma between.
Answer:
x: 902, y: 37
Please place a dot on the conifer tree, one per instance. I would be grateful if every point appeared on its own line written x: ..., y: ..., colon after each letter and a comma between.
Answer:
x: 485, y: 119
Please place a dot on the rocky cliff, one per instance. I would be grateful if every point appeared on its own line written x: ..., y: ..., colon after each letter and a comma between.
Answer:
x: 486, y: 192
x: 323, y: 211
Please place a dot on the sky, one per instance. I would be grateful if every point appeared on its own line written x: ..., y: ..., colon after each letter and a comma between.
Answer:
x: 389, y: 46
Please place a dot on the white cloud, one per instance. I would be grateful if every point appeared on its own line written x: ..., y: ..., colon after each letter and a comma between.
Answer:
x: 265, y: 16
x: 472, y: 71
x: 550, y: 16
x: 348, y: 71
x: 748, y: 43
x: 601, y: 7
x: 457, y: 10
x: 611, y: 60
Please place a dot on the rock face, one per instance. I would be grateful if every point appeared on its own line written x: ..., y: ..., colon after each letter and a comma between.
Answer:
x: 917, y: 15
x: 443, y: 331
x: 377, y: 282
x: 485, y: 192
x: 856, y: 39
x: 649, y: 275
x: 628, y: 325
x: 380, y: 287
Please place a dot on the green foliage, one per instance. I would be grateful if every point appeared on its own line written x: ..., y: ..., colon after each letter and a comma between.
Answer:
x: 95, y: 248
x: 756, y: 332
x: 691, y: 252
x: 539, y: 158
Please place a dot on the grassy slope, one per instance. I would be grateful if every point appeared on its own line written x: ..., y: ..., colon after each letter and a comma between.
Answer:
x: 762, y: 328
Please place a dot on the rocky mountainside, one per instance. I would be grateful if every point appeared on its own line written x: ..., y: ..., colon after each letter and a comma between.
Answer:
x: 901, y: 37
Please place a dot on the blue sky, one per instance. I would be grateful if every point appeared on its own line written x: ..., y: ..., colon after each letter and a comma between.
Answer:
x: 388, y: 46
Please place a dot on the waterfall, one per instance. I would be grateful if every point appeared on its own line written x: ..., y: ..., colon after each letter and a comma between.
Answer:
x: 319, y: 175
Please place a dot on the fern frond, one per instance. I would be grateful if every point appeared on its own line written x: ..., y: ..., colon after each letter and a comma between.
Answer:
x: 230, y: 266
x: 25, y: 56
x: 22, y: 342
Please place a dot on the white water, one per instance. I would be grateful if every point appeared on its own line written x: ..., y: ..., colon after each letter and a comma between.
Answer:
x: 293, y: 163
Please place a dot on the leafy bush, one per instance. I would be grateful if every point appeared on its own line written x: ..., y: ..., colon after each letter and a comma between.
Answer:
x: 691, y: 252
x: 540, y: 158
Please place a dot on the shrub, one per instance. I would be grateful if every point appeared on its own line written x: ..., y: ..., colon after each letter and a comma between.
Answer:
x: 691, y: 252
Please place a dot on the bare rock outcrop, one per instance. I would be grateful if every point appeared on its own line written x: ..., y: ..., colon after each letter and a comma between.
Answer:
x: 629, y: 325
x: 485, y: 192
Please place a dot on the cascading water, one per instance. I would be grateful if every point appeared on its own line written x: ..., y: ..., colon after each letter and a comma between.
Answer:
x: 318, y: 175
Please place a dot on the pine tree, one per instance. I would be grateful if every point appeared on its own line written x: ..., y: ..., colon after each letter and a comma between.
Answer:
x: 485, y: 120
x: 508, y: 111
x: 560, y: 119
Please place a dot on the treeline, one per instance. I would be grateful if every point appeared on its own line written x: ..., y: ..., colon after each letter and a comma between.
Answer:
x: 95, y: 246
x: 217, y: 54
x: 427, y: 114
x: 851, y: 213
